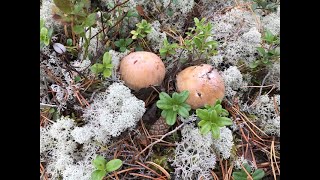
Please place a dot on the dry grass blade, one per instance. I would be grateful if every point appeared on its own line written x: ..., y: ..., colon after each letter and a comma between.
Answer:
x: 160, y: 168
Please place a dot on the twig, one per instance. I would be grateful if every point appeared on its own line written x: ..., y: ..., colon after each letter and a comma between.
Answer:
x: 264, y: 79
x: 117, y: 5
x: 159, y: 140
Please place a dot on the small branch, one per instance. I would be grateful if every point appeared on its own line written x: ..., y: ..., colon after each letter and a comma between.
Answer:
x: 117, y: 5
x: 264, y: 79
x: 159, y: 140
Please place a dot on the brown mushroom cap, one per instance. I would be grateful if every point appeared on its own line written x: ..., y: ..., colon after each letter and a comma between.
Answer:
x: 204, y: 84
x: 141, y: 69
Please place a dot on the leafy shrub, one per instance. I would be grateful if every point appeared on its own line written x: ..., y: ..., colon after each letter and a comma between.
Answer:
x: 172, y: 106
x: 212, y: 118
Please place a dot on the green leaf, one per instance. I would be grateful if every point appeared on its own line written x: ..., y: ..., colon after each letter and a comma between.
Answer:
x: 78, y: 29
x: 90, y: 20
x: 183, y: 112
x: 99, y: 162
x: 258, y: 174
x: 196, y: 20
x: 254, y: 64
x: 203, y: 114
x: 215, y: 130
x: 43, y: 33
x: 164, y: 105
x: 69, y: 42
x: 164, y: 113
x: 118, y: 43
x: 164, y: 96
x: 183, y: 96
x: 123, y: 49
x: 247, y: 167
x: 107, y: 73
x: 106, y: 58
x: 261, y: 51
x: 97, y: 68
x: 205, y: 128
x: 41, y: 23
x: 171, y: 117
x: 113, y: 165
x: 52, y: 110
x: 201, y: 123
x: 197, y: 42
x: 64, y: 5
x: 239, y: 175
x: 187, y: 106
x: 213, y: 116
x: 224, y: 121
x: 128, y: 41
x: 98, y: 174
x: 163, y: 52
x: 77, y: 79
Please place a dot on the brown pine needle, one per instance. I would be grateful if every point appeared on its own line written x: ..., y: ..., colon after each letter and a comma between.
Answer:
x: 274, y: 156
x: 165, y: 172
x: 214, y: 175
x: 148, y: 168
x: 249, y: 176
x: 141, y: 175
x: 271, y: 158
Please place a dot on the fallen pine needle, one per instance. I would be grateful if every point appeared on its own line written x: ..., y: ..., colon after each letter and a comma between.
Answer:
x: 160, y: 168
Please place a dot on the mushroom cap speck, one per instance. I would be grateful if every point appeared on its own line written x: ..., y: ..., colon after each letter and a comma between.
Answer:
x: 141, y: 69
x: 204, y: 84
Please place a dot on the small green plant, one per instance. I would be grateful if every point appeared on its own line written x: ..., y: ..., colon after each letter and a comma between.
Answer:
x: 45, y: 34
x: 102, y: 167
x: 122, y: 44
x: 266, y: 5
x: 76, y: 13
x: 242, y: 175
x: 212, y: 118
x: 199, y: 40
x: 172, y: 106
x: 267, y: 55
x: 105, y: 68
x: 143, y: 28
x: 168, y: 49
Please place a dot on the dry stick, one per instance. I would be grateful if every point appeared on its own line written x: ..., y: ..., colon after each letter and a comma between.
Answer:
x: 258, y: 86
x: 159, y: 140
x: 264, y: 79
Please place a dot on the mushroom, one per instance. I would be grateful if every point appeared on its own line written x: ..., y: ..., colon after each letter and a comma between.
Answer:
x: 204, y: 84
x: 141, y: 69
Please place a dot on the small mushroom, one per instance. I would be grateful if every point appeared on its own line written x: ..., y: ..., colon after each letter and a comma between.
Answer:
x: 204, y: 84
x: 141, y: 69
